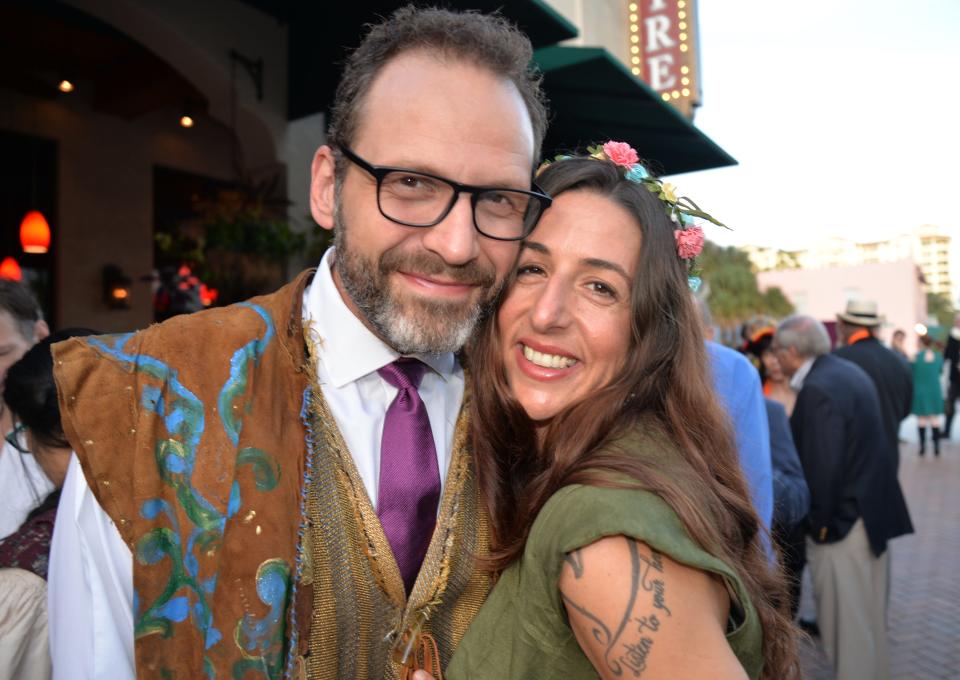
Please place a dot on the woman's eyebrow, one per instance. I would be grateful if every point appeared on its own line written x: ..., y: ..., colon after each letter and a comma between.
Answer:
x: 606, y: 264
x: 594, y: 262
x: 535, y: 246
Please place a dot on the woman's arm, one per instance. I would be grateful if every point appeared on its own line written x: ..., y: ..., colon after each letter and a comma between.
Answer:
x: 638, y: 614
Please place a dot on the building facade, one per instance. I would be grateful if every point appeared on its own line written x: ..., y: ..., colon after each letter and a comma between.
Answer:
x: 927, y: 246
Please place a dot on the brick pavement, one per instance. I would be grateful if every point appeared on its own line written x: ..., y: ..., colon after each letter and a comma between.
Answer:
x: 924, y: 615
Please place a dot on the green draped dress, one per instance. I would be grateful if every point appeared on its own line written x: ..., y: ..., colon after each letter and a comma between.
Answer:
x: 522, y: 629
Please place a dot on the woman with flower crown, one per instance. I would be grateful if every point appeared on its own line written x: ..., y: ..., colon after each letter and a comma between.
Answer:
x: 623, y: 536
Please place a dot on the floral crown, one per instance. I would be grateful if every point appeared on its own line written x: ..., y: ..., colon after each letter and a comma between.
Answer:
x: 681, y: 210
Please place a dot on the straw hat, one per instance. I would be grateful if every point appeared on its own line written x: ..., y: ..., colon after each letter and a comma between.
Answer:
x: 861, y: 313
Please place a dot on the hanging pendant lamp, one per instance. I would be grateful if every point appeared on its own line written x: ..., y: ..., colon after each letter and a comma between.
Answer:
x: 35, y: 233
x: 9, y: 269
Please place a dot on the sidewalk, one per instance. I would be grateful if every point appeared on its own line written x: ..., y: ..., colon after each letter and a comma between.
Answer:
x: 924, y: 616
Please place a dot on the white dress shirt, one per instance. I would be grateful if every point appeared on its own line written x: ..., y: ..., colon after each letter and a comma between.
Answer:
x: 23, y: 486
x: 348, y: 356
x: 91, y: 568
x: 796, y: 381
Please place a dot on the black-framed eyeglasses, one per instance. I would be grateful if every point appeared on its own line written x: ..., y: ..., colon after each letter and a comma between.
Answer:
x: 419, y: 199
x: 13, y: 437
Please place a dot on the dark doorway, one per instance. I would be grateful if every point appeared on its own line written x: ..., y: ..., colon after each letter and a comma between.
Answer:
x: 28, y: 181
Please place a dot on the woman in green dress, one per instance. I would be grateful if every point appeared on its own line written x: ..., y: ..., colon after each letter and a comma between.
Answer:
x: 623, y: 536
x: 927, y: 393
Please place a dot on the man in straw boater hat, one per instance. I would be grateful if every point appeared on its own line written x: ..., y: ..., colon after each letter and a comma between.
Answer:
x: 283, y: 487
x: 857, y: 328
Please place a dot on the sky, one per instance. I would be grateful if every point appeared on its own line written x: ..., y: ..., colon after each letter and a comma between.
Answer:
x: 844, y: 116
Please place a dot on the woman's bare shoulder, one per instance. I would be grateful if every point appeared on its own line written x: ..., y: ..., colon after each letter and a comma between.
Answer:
x: 638, y: 613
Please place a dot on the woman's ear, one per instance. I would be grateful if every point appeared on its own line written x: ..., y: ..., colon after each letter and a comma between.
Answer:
x: 322, y: 187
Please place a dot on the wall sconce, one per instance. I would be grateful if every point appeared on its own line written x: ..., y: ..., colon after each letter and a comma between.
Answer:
x: 66, y: 85
x: 35, y: 233
x: 116, y: 287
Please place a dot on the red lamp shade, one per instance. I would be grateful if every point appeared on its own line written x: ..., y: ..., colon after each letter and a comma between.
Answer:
x: 35, y: 233
x: 9, y: 269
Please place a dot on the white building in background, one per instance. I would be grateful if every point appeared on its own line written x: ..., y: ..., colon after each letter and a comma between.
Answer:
x: 932, y: 253
x: 928, y: 246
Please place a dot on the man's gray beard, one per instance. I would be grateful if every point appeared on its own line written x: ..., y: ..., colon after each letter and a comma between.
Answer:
x: 413, y: 326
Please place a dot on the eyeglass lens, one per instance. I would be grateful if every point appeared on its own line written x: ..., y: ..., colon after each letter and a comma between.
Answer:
x: 420, y: 200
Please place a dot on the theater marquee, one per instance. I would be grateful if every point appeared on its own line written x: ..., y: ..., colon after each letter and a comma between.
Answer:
x: 663, y: 50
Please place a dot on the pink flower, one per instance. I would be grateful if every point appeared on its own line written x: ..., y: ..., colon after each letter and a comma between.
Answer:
x: 621, y: 153
x: 689, y: 242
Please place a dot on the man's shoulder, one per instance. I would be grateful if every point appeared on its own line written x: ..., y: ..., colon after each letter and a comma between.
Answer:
x: 729, y: 361
x: 841, y: 382
x: 872, y: 356
x: 835, y: 372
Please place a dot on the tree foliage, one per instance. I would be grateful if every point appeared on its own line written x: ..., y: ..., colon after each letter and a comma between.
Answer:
x: 940, y: 307
x: 734, y: 294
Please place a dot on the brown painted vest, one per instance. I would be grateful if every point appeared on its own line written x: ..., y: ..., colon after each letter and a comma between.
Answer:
x: 257, y: 552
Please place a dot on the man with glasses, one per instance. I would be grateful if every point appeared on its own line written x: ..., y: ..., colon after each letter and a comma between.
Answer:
x: 22, y: 483
x: 284, y: 486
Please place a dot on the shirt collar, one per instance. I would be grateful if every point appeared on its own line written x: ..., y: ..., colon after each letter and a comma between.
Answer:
x: 796, y: 382
x: 348, y: 349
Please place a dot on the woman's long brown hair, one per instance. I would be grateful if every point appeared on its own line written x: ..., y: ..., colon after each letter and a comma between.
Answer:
x: 665, y: 383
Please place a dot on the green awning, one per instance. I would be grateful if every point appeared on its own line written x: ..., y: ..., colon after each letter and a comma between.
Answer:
x: 594, y: 98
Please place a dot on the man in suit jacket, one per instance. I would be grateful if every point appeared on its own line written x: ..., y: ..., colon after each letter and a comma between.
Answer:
x: 890, y: 373
x: 856, y: 504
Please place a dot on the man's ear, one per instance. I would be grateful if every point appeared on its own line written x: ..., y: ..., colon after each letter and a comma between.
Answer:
x: 40, y: 330
x: 322, y: 185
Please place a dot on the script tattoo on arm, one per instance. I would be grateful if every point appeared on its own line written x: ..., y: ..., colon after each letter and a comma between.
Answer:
x: 626, y: 638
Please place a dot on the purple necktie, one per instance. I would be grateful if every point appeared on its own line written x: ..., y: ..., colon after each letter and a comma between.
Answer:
x: 409, y: 477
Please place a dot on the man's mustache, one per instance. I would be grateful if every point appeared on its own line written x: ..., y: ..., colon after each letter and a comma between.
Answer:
x: 428, y: 264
